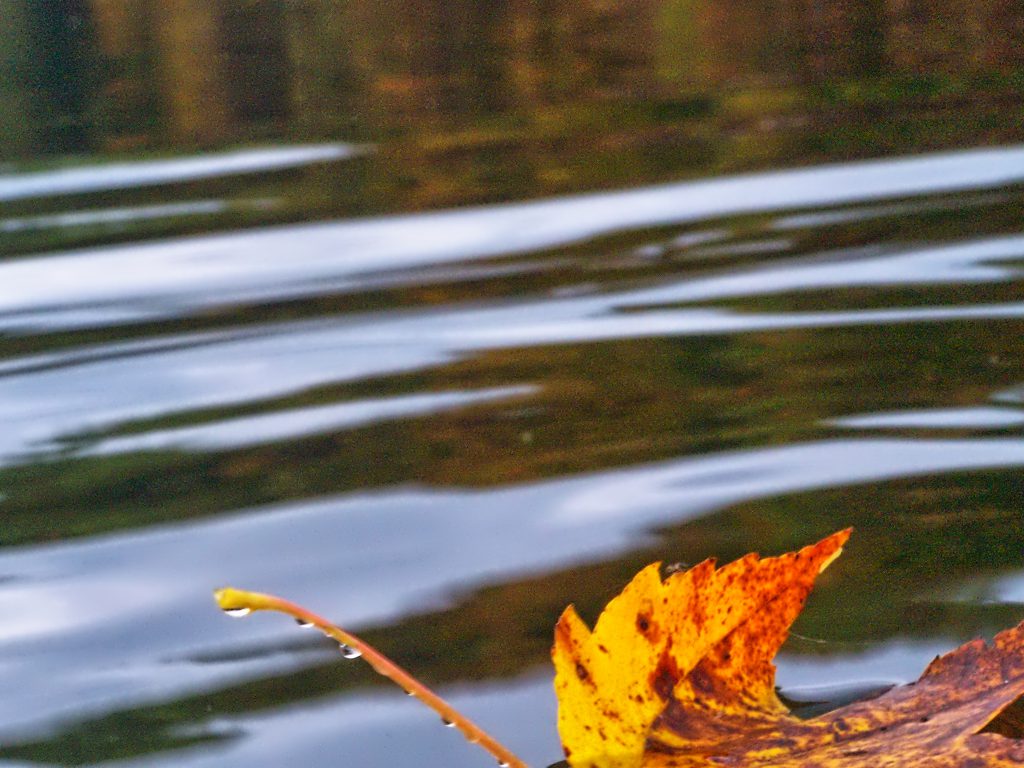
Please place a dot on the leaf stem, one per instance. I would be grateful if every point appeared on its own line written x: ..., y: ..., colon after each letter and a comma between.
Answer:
x: 230, y: 599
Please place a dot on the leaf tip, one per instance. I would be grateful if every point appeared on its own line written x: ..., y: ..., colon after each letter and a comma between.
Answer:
x: 570, y: 629
x: 833, y: 546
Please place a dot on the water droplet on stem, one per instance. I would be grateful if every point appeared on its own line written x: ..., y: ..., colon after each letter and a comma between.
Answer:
x: 238, y: 612
x: 349, y: 652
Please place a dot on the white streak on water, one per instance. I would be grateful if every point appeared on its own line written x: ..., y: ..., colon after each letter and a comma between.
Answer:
x: 974, y: 261
x: 129, y: 283
x: 1005, y: 589
x: 127, y: 216
x: 935, y: 418
x: 47, y: 399
x: 146, y: 173
x: 293, y: 423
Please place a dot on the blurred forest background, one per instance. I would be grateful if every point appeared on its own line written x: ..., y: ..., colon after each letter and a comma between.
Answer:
x: 522, y: 80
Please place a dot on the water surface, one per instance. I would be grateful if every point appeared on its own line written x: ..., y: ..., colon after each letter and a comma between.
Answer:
x: 439, y: 338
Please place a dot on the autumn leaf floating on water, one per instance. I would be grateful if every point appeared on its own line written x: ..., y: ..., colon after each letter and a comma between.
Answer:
x: 678, y: 672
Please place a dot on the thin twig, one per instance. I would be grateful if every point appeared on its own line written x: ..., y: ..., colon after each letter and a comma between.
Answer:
x: 230, y: 599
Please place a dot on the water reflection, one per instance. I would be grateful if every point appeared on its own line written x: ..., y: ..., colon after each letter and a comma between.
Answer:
x: 940, y: 418
x: 613, y: 286
x: 66, y: 400
x: 380, y: 729
x: 147, y: 591
x: 101, y: 388
x: 117, y: 285
x: 1007, y: 589
x: 114, y: 75
x: 115, y: 216
x: 296, y: 423
x: 119, y: 176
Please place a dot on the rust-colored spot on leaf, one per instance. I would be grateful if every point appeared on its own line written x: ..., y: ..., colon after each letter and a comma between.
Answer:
x: 663, y: 682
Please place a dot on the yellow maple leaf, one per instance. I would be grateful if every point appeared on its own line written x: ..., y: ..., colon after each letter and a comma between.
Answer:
x: 678, y: 672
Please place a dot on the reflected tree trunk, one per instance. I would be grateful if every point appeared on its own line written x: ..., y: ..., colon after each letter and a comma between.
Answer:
x: 17, y: 128
x: 191, y: 79
x: 47, y: 76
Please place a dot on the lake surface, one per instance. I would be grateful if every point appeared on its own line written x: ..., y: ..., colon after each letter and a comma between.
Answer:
x: 437, y: 321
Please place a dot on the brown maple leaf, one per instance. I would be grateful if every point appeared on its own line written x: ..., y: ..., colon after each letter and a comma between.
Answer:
x: 679, y: 672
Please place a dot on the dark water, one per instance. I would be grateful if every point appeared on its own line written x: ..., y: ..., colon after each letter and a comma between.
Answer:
x: 437, y: 317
